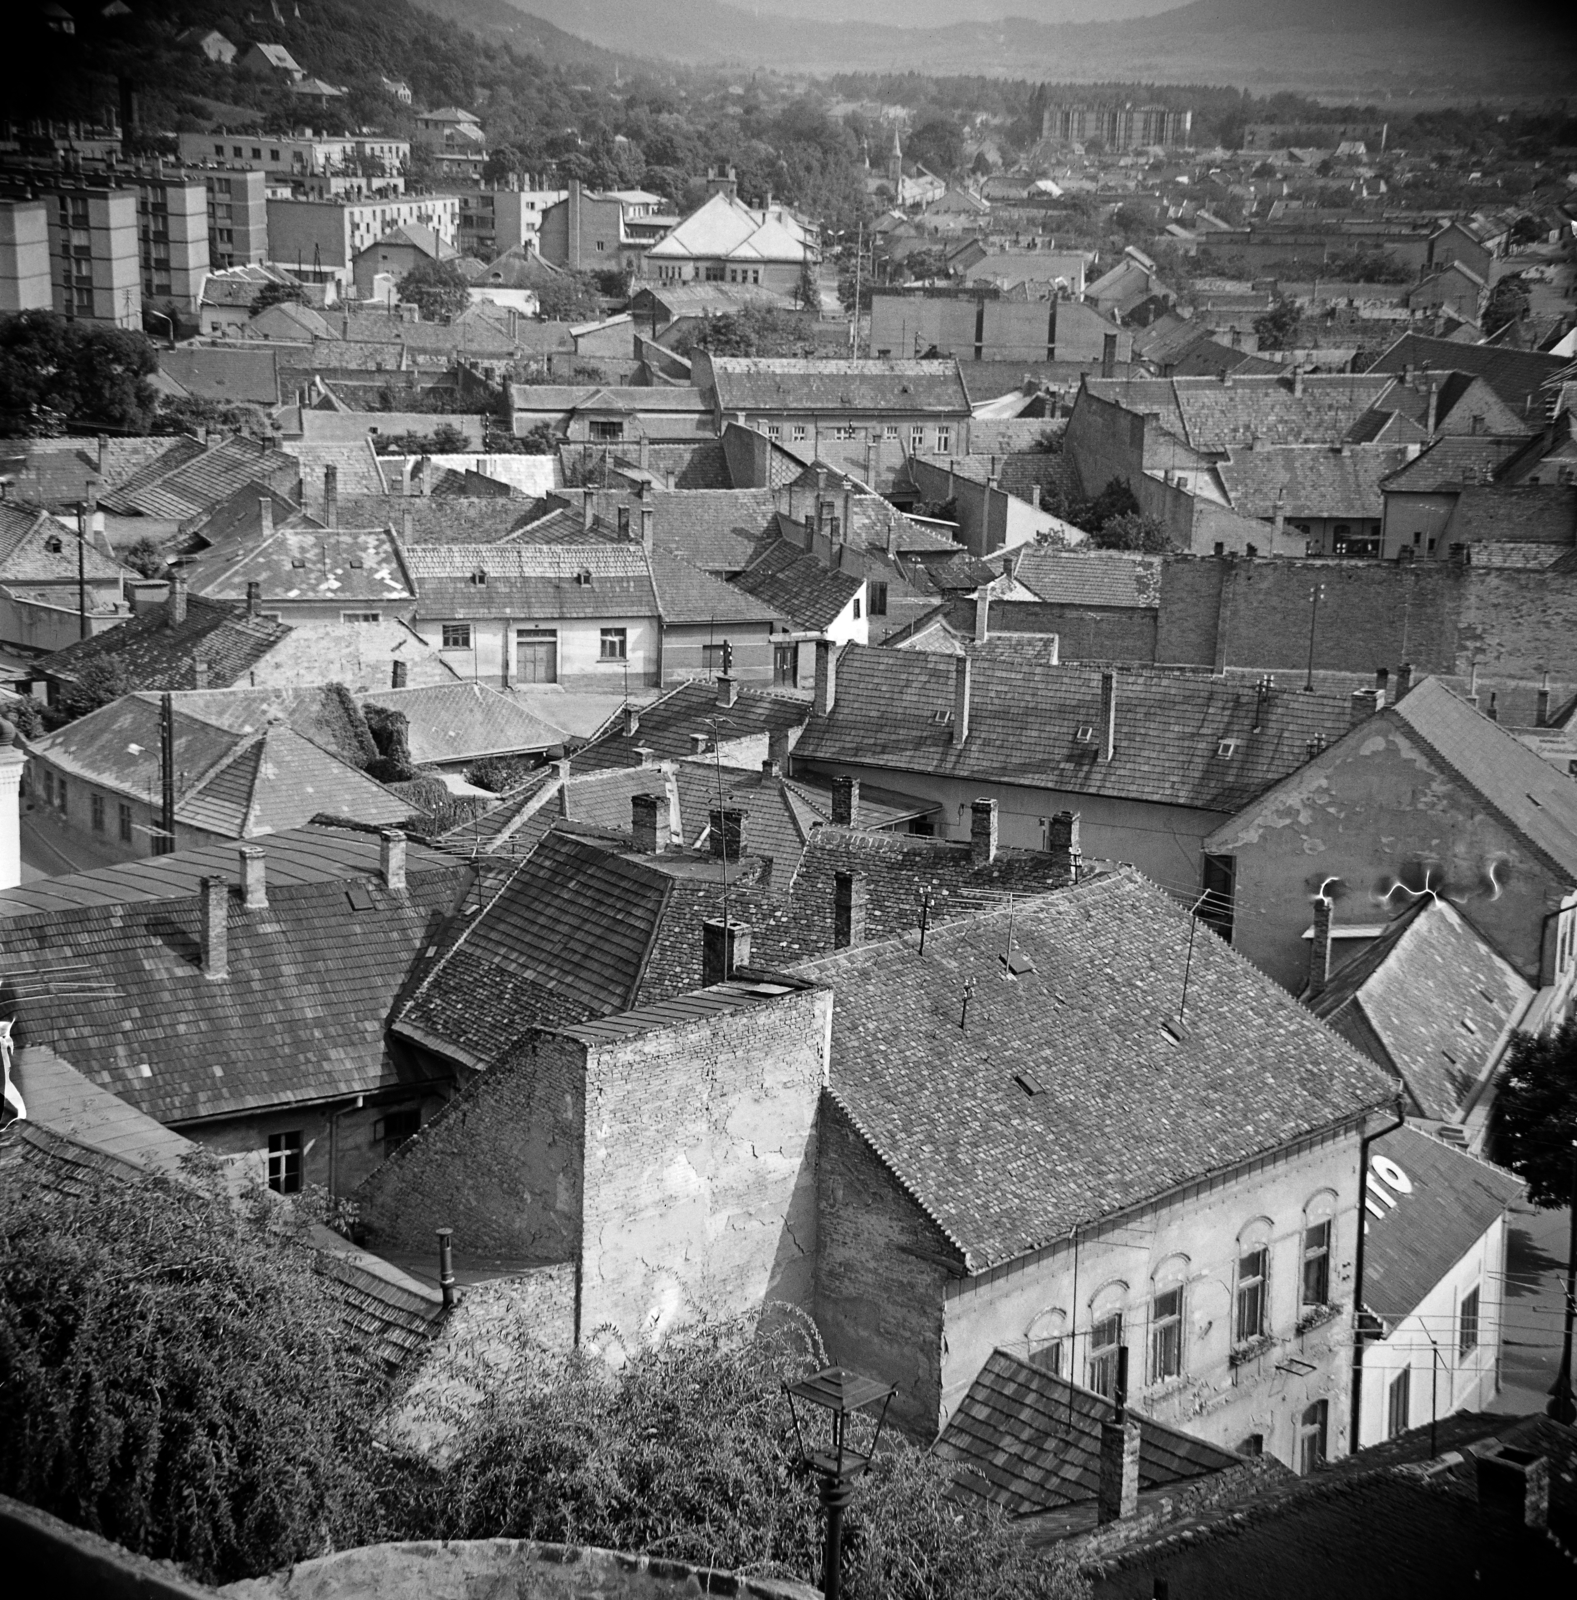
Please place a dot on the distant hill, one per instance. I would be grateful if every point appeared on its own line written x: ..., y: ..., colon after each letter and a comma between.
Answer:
x: 1354, y: 49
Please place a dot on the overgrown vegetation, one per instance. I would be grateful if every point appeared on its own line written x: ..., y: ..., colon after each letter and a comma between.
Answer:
x: 500, y: 774
x: 53, y: 371
x: 444, y: 440
x: 753, y: 330
x: 437, y: 289
x: 1535, y: 1115
x: 390, y: 731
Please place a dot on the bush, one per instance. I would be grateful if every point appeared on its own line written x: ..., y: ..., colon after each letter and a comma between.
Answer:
x: 501, y: 773
x: 145, y: 557
x: 437, y: 289
x: 174, y: 1374
x: 1131, y: 530
x: 390, y: 731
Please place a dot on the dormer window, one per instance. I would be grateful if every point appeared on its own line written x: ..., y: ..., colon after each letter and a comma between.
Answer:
x: 583, y: 577
x: 479, y: 577
x: 53, y: 545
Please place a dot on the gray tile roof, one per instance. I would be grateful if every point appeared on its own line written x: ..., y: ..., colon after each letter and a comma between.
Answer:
x: 1310, y: 481
x: 533, y: 580
x: 1431, y: 1001
x: 37, y: 549
x: 1107, y: 579
x: 1025, y: 719
x: 1452, y: 1200
x: 183, y: 485
x: 1029, y: 1441
x: 447, y: 519
x: 1517, y: 376
x: 686, y: 593
x: 1127, y: 1112
x: 666, y: 725
x: 1452, y: 463
x: 794, y: 584
x: 752, y: 383
x: 346, y: 565
x: 462, y: 721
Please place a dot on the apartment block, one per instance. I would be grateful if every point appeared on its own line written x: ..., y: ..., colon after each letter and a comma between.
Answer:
x: 319, y: 239
x: 296, y: 156
x: 492, y: 221
x: 95, y: 265
x: 237, y: 218
x: 24, y: 256
x: 172, y: 239
x: 1117, y: 127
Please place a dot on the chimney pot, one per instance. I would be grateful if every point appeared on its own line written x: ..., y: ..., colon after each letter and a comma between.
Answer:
x: 727, y: 832
x: 1320, y: 947
x: 254, y: 883
x: 963, y: 669
x: 846, y: 802
x: 645, y: 826
x: 265, y: 516
x: 848, y: 909
x: 391, y: 859
x: 727, y: 690
x: 826, y: 691
x: 982, y: 832
x: 214, y: 917
x: 725, y: 948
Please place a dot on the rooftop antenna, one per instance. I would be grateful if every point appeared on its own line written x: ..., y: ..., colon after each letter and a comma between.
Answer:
x: 1188, y: 960
x: 969, y: 994
x: 926, y: 901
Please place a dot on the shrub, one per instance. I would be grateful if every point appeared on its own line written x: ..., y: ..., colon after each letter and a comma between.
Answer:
x: 144, y: 556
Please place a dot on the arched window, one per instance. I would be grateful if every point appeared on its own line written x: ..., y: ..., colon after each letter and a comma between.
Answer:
x: 1319, y: 1235
x: 1167, y: 1289
x: 1252, y: 1306
x: 1106, y: 1336
x: 1045, y: 1338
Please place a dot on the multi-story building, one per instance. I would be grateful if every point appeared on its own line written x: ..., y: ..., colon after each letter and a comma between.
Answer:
x: 319, y: 239
x: 591, y: 232
x: 454, y: 140
x: 24, y: 256
x: 237, y: 218
x: 94, y: 262
x: 1123, y: 127
x: 493, y: 221
x: 298, y: 156
x: 172, y: 239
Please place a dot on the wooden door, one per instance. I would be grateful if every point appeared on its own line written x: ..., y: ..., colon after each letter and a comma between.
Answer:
x: 536, y: 657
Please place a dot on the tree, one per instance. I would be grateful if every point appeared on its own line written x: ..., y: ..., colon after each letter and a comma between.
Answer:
x: 569, y: 297
x: 808, y: 290
x: 1131, y: 530
x: 1508, y: 302
x: 99, y: 681
x: 542, y: 440
x: 437, y: 289
x: 937, y: 145
x: 145, y: 556
x: 174, y: 1372
x: 1115, y: 500
x: 275, y: 294
x: 1277, y: 329
x: 1536, y: 1112
x: 754, y: 330
x: 53, y: 370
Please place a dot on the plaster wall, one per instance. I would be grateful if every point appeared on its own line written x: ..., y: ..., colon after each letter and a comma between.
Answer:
x: 1191, y: 1237
x: 684, y: 650
x: 491, y: 659
x: 1417, y: 521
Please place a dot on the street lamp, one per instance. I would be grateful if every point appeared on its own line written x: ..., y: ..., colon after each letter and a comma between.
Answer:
x: 165, y: 318
x: 840, y: 1393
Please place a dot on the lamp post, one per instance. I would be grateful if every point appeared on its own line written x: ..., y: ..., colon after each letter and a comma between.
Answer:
x: 838, y: 1467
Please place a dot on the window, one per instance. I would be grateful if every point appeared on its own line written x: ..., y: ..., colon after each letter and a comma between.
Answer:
x: 846, y: 431
x: 1253, y: 1269
x: 1312, y: 1436
x: 361, y: 616
x: 944, y: 440
x: 1044, y: 1341
x: 219, y: 149
x: 1467, y: 1317
x: 1215, y: 906
x: 774, y: 431
x: 916, y: 441
x: 257, y: 154
x: 1166, y: 1334
x: 798, y: 433
x: 890, y: 432
x: 1397, y: 1395
x: 1317, y: 1252
x: 712, y: 658
x: 49, y: 787
x: 457, y: 636
x: 856, y: 608
x: 785, y: 665
x: 878, y: 594
x: 392, y: 1130
x: 607, y: 431
x: 60, y: 795
x: 624, y: 522
x: 1106, y: 1337
x: 615, y: 644
x: 123, y: 814
x: 284, y: 1162
x: 96, y: 809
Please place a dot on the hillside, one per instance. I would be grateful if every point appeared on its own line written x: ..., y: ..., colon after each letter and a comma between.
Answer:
x: 1370, y: 49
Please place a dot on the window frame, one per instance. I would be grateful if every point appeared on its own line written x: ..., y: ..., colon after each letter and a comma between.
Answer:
x: 1046, y: 1341
x: 1101, y: 1367
x: 286, y: 1153
x: 461, y: 632
x: 1398, y: 1402
x: 1470, y: 1311
x: 619, y: 638
x: 1251, y: 1289
x: 123, y: 821
x: 1166, y: 1330
x: 96, y: 812
x: 1317, y: 1243
x: 1313, y: 1436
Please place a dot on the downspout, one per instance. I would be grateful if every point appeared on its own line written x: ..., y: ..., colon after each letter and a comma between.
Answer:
x: 1356, y: 1418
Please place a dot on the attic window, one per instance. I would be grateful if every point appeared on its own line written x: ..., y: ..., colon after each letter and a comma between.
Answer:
x: 360, y: 899
x: 1017, y: 964
x: 355, y: 561
x: 479, y: 576
x: 297, y: 562
x: 1227, y: 749
x: 583, y: 577
x: 1029, y: 1083
x: 1085, y: 733
x: 53, y: 545
x: 1175, y: 1029
x: 942, y: 718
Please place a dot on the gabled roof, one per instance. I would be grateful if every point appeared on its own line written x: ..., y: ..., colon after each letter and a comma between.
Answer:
x: 1416, y: 1233
x: 1107, y: 579
x: 1122, y: 1111
x: 1452, y: 463
x: 724, y: 228
x: 299, y: 1018
x: 345, y: 565
x: 894, y: 710
x: 760, y: 383
x: 1305, y: 481
x: 153, y: 655
x: 1517, y: 376
x: 186, y: 487
x: 666, y: 725
x: 794, y: 584
x: 249, y: 377
x: 1028, y: 1440
x: 685, y: 593
x: 1431, y: 1001
x: 533, y: 580
x: 462, y: 721
x: 36, y: 548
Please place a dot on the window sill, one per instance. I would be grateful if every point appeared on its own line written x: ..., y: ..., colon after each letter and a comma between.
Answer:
x: 1318, y: 1316
x: 1251, y: 1349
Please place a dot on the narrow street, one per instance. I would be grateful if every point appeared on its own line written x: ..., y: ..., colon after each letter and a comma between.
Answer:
x: 1535, y: 1290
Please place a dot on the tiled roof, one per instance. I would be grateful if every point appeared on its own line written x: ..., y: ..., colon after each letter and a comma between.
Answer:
x: 244, y: 376
x: 715, y: 529
x: 1450, y: 1200
x: 153, y: 655
x: 533, y: 580
x: 1029, y: 1441
x: 461, y: 721
x: 1305, y: 481
x: 666, y: 725
x: 1530, y: 796
x: 300, y: 1017
x: 794, y: 584
x: 35, y: 548
x: 239, y: 517
x: 686, y: 593
x: 1431, y: 1001
x: 1025, y: 719
x: 350, y: 566
x: 1123, y: 1112
x: 475, y: 519
x: 752, y: 383
x: 359, y: 470
x: 1517, y: 376
x: 183, y: 489
x: 1452, y: 463
x: 1132, y: 582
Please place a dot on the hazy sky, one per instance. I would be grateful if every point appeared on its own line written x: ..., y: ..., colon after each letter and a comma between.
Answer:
x: 937, y: 13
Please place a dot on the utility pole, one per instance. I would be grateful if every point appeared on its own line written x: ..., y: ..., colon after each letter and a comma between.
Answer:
x: 1316, y: 594
x: 165, y: 842
x: 1561, y: 1406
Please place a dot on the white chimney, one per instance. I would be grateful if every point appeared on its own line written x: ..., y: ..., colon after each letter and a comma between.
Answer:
x: 12, y: 761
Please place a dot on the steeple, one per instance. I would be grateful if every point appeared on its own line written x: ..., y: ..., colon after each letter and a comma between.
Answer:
x: 895, y: 164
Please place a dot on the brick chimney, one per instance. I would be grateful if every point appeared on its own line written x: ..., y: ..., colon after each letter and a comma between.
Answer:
x: 646, y: 817
x: 778, y: 752
x: 1108, y: 355
x: 391, y: 859
x: 254, y: 882
x: 632, y: 721
x: 1404, y: 678
x: 1062, y: 840
x: 982, y: 832
x: 982, y: 616
x: 399, y: 674
x: 1320, y: 947
x: 175, y: 601
x: 1117, y: 1491
x: 727, y: 690
x: 848, y: 909
x: 647, y: 756
x: 825, y: 696
x: 331, y: 496
x: 1382, y: 682
x: 846, y: 802
x: 1297, y: 381
x: 213, y: 911
x: 254, y: 599
x: 200, y: 670
x: 1516, y: 1482
x: 727, y: 831
x: 1492, y: 710
x: 963, y: 669
x: 724, y: 950
x: 265, y: 516
x: 1365, y: 702
x: 1107, y: 731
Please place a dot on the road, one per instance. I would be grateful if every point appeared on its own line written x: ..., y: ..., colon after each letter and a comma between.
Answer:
x: 1535, y: 1294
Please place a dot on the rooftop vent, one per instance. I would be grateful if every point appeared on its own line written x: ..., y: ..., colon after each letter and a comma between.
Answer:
x: 1029, y: 1083
x: 1017, y: 964
x: 1175, y: 1029
x: 583, y: 577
